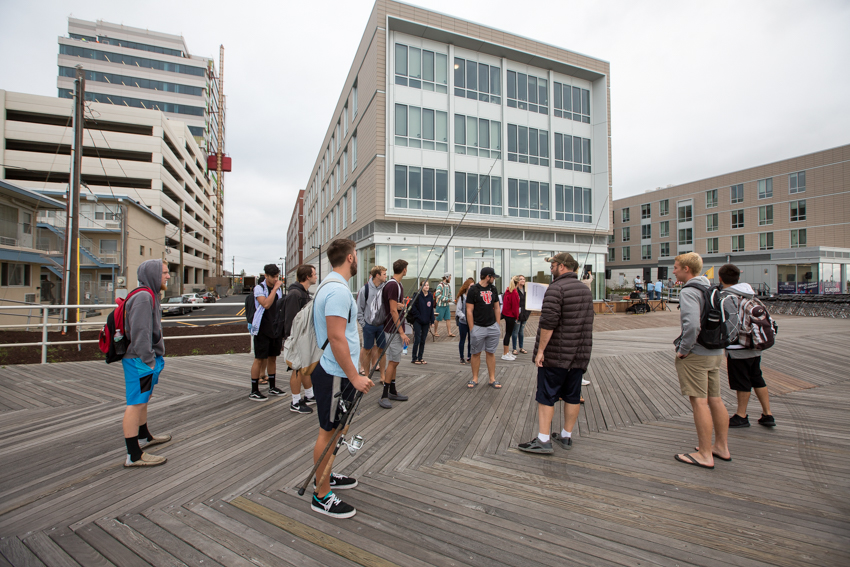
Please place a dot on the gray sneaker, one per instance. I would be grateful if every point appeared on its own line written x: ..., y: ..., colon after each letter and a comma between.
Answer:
x: 564, y: 442
x: 385, y: 403
x: 537, y: 446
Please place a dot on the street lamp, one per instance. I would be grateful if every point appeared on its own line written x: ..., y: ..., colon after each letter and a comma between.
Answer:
x: 283, y: 274
x: 319, y: 248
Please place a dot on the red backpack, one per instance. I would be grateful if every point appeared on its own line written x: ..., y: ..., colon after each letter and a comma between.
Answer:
x: 113, y: 342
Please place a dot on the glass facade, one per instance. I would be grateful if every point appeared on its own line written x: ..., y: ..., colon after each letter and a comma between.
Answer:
x: 138, y: 103
x: 130, y: 60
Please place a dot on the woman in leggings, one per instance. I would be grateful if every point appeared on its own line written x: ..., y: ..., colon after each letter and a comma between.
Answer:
x: 510, y: 312
x: 460, y: 319
x: 519, y: 329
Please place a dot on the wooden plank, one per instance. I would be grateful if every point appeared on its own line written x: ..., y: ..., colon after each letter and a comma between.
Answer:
x: 47, y: 550
x: 18, y: 554
x: 76, y: 547
x: 167, y: 541
x: 145, y: 548
x: 200, y: 541
x: 113, y: 550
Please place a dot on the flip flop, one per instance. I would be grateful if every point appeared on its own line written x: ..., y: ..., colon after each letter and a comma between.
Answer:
x: 495, y: 384
x: 523, y: 351
x: 692, y: 461
x: 471, y: 384
x: 263, y: 381
x: 362, y: 373
x: 451, y: 335
x: 422, y: 362
x: 716, y: 456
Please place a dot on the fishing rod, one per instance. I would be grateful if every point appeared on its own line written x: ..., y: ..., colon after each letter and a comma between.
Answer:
x: 348, y: 409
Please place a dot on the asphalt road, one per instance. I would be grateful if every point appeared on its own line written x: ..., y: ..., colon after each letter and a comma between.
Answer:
x: 235, y: 308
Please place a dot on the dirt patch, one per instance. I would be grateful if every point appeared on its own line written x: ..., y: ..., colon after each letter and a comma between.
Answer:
x: 178, y: 347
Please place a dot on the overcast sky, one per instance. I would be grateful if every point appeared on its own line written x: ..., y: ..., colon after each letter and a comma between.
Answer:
x: 697, y: 88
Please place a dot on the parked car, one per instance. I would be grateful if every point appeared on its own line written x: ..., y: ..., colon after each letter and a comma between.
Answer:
x: 194, y: 299
x: 176, y: 306
x: 209, y: 297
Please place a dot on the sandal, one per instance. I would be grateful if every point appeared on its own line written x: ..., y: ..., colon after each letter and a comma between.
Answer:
x: 471, y: 384
x: 462, y: 361
x: 516, y: 352
x: 523, y: 351
x: 495, y: 384
x: 362, y: 372
x: 451, y: 335
x: 264, y: 380
x: 422, y: 362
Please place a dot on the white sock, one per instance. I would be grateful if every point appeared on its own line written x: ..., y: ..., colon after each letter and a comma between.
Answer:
x: 543, y: 438
x: 566, y: 434
x: 308, y: 392
x: 295, y: 399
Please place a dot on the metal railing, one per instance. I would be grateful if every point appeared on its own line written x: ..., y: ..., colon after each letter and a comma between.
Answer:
x: 46, y: 324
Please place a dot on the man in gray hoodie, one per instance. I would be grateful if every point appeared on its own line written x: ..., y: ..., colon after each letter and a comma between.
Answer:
x: 699, y: 368
x: 743, y: 365
x: 143, y: 362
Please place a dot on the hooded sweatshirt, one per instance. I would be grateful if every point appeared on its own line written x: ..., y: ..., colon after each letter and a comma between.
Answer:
x: 362, y: 301
x: 735, y: 350
x: 690, y: 310
x: 143, y: 316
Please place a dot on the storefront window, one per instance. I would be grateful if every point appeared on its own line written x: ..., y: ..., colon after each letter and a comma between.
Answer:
x: 830, y: 278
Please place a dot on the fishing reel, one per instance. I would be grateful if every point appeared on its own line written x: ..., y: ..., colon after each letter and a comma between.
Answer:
x: 354, y: 445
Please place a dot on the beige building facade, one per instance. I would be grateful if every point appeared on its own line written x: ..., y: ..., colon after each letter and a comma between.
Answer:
x: 443, y: 122
x: 786, y: 224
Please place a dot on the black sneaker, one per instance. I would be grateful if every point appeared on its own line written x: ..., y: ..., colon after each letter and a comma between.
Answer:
x: 340, y: 482
x: 311, y: 400
x: 767, y: 421
x: 738, y: 421
x: 276, y: 392
x: 537, y: 446
x: 332, y: 506
x: 565, y: 443
x: 257, y: 397
x: 300, y: 407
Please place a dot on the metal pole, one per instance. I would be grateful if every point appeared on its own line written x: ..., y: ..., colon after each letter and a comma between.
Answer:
x: 182, y: 269
x: 44, y: 335
x: 71, y: 288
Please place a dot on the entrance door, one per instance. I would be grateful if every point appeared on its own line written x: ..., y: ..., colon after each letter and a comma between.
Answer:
x: 472, y: 268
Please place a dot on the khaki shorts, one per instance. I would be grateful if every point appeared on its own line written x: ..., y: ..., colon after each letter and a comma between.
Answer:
x: 699, y: 375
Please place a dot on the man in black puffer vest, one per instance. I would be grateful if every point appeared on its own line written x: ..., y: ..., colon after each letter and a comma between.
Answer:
x: 561, y: 352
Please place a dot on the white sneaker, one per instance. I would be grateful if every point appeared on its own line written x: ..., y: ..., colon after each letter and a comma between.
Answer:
x: 508, y: 357
x: 584, y: 382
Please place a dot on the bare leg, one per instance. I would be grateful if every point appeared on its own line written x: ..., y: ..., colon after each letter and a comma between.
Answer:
x: 570, y: 416
x: 306, y: 381
x: 271, y: 365
x: 389, y: 376
x: 720, y: 417
x: 295, y: 383
x: 448, y: 327
x: 134, y: 416
x: 743, y: 401
x: 257, y: 367
x: 491, y: 366
x: 703, y: 422
x: 322, y: 441
x: 476, y: 364
x: 375, y: 352
x: 364, y: 360
x: 764, y: 400
x: 544, y: 418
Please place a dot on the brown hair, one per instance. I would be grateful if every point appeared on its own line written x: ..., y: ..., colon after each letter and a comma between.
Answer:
x: 729, y: 274
x: 464, y: 287
x: 339, y: 250
x: 692, y: 261
x: 399, y: 266
x: 375, y: 271
x: 303, y: 272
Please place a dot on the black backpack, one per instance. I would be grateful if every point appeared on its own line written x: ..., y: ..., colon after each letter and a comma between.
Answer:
x: 250, y: 308
x: 718, y: 318
x: 278, y: 314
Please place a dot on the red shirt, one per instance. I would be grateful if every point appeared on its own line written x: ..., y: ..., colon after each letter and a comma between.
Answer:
x: 510, y: 308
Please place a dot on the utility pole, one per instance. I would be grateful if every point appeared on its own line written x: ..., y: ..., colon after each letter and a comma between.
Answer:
x: 219, y: 239
x: 182, y: 269
x: 72, y: 224
x: 233, y: 271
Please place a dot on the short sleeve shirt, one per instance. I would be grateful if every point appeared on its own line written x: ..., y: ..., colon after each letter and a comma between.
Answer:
x: 395, y: 291
x: 264, y: 324
x: 482, y: 299
x: 335, y: 300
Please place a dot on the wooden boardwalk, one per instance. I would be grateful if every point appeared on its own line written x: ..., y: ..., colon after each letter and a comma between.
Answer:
x: 441, y: 480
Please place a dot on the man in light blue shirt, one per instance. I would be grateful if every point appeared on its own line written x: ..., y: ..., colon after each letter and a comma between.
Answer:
x: 335, y: 320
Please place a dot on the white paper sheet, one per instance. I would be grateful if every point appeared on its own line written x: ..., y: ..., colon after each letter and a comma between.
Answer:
x: 534, y: 296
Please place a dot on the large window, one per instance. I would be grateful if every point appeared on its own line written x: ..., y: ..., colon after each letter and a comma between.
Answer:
x: 686, y: 213
x: 664, y: 208
x: 528, y: 199
x: 354, y: 203
x: 528, y: 92
x: 646, y: 231
x: 738, y: 218
x: 421, y: 128
x: 797, y: 182
x: 712, y: 245
x: 138, y: 103
x: 354, y: 151
x: 421, y: 188
x: 798, y: 238
x: 765, y: 241
x: 572, y: 103
x: 646, y: 252
x: 611, y: 256
x: 345, y: 211
x: 711, y: 222
x: 421, y: 69
x: 17, y: 275
x: 686, y: 236
x: 738, y: 243
x: 478, y: 136
x: 765, y: 187
x: 711, y: 199
x: 481, y: 194
x: 344, y: 166
x: 8, y: 225
x: 528, y: 145
x: 737, y: 192
x: 765, y: 215
x: 478, y: 81
x: 646, y: 211
x: 798, y: 210
x: 573, y: 204
x: 138, y: 82
x: 626, y: 215
x: 130, y: 60
x: 627, y: 253
x: 664, y: 229
x: 572, y: 152
x: 665, y: 250
x: 627, y: 234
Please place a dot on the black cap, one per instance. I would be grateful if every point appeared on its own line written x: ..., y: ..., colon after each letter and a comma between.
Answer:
x: 488, y: 271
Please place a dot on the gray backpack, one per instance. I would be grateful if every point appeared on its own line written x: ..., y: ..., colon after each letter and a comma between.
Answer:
x: 374, y: 314
x: 301, y: 350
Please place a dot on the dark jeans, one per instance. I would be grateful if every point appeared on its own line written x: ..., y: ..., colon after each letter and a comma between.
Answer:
x: 509, y: 329
x: 420, y: 334
x: 463, y: 328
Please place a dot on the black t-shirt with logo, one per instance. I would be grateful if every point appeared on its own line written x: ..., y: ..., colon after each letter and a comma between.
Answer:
x: 482, y: 299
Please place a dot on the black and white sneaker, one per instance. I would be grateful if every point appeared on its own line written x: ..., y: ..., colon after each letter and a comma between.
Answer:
x: 257, y: 397
x: 300, y: 407
x: 332, y: 506
x: 311, y: 400
x: 340, y: 482
x: 276, y: 392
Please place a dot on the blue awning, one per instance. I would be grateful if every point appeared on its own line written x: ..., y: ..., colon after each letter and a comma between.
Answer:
x: 11, y: 255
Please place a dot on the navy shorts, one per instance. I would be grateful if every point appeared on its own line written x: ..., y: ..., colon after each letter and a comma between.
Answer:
x: 558, y: 383
x: 373, y: 334
x: 744, y: 373
x: 327, y: 406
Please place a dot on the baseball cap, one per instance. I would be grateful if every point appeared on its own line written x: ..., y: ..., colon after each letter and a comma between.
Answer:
x: 447, y: 275
x: 488, y: 272
x: 562, y: 258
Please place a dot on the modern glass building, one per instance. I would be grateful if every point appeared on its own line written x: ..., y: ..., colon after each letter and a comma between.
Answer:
x: 442, y: 119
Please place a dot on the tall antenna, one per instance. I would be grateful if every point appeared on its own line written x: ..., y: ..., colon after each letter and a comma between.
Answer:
x: 219, y: 257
